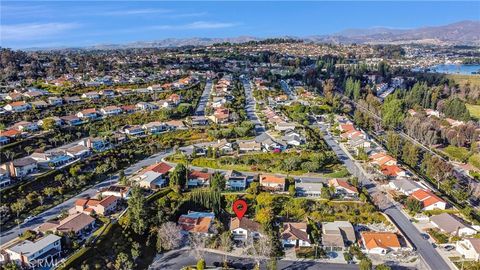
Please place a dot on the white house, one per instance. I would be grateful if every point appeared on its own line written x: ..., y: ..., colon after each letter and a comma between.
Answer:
x: 18, y: 106
x: 111, y: 110
x: 27, y: 252
x: 244, y: 228
x: 404, y: 185
x: 469, y: 247
x: 452, y: 225
x: 295, y: 235
x: 307, y: 189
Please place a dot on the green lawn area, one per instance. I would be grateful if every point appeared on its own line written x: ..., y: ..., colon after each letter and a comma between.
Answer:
x: 457, y: 153
x: 474, y: 110
x: 343, y: 172
x: 475, y: 160
x: 463, y: 79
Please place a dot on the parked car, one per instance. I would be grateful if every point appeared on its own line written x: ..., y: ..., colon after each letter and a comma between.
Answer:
x: 28, y: 219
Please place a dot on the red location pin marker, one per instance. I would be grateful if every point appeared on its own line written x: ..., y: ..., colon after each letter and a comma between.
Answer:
x: 240, y: 208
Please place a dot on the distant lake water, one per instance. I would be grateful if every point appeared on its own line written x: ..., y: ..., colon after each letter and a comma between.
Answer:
x: 456, y: 69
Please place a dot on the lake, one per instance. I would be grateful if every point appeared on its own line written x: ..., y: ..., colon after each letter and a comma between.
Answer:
x: 456, y: 69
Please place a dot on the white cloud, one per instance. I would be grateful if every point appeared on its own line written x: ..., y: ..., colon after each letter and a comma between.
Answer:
x: 34, y: 31
x: 197, y: 25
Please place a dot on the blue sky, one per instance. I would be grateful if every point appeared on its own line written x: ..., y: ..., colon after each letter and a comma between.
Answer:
x: 82, y: 23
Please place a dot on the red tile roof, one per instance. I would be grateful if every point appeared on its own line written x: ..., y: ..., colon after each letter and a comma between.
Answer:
x: 426, y: 197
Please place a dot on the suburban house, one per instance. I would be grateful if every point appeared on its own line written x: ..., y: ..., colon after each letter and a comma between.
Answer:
x: 308, y: 189
x: 295, y: 235
x: 198, y: 179
x: 153, y: 176
x: 174, y: 99
x: 128, y: 108
x: 89, y: 114
x: 223, y: 146
x: 244, y: 228
x: 380, y: 242
x: 26, y: 252
x: 56, y: 120
x: 119, y: 191
x: 72, y: 120
x: 21, y: 167
x: 55, y: 101
x: 4, y: 178
x: 26, y: 126
x: 220, y: 116
x: 96, y: 144
x: 284, y: 126
x: 73, y: 100
x: 107, y: 93
x: 91, y: 95
x: 293, y: 138
x: 469, y: 247
x: 197, y: 222
x: 404, y: 185
x: 134, y: 130
x: 272, y: 182
x: 236, y: 180
x: 146, y: 106
x: 17, y: 106
x: 346, y: 127
x: 111, y: 110
x: 452, y: 225
x: 343, y: 187
x: 102, y: 207
x: 382, y: 159
x: 429, y: 200
x: 51, y: 158
x: 155, y: 127
x: 39, y: 104
x: 79, y: 224
x: 249, y: 146
x: 78, y: 151
x: 269, y: 144
x: 337, y: 235
x: 392, y: 171
x: 198, y: 120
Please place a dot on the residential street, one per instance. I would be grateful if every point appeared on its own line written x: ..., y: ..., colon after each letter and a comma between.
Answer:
x: 55, y: 211
x: 202, y: 103
x: 250, y: 107
x: 424, y: 248
x: 177, y: 259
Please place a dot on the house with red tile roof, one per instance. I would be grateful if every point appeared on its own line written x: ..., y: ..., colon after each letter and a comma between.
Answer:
x: 342, y: 187
x: 275, y: 183
x: 198, y: 179
x: 381, y: 159
x: 197, y: 222
x: 380, y: 242
x: 346, y: 127
x: 102, y: 207
x: 429, y: 200
x: 392, y: 170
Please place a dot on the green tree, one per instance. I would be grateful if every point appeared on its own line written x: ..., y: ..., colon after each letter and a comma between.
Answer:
x: 365, y: 264
x: 217, y: 181
x: 136, y: 211
x: 201, y: 264
x: 382, y: 267
x: 123, y: 262
x: 392, y: 112
x: 178, y: 178
x: 414, y: 205
x: 48, y: 124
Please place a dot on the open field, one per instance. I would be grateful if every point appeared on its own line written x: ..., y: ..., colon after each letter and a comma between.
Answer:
x: 474, y: 80
x: 474, y: 110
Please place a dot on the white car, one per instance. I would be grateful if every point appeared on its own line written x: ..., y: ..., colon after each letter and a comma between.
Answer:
x: 28, y: 219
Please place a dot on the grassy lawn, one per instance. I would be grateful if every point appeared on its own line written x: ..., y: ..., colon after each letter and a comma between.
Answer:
x: 343, y: 172
x: 474, y: 80
x: 475, y: 160
x: 474, y: 110
x: 457, y: 153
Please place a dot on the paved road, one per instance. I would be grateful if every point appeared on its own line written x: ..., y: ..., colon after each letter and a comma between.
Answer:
x: 424, y: 248
x: 55, y: 211
x: 250, y: 107
x: 177, y: 259
x: 202, y: 103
